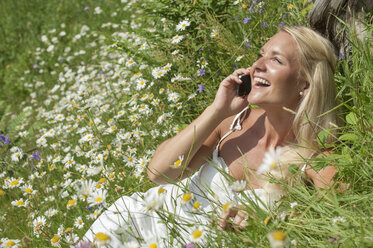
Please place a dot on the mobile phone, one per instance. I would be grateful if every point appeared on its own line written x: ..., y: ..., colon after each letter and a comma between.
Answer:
x: 244, y: 88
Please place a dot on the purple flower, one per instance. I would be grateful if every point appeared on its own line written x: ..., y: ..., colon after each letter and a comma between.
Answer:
x: 200, y: 88
x: 86, y: 8
x: 260, y: 11
x: 36, y: 155
x: 246, y: 20
x: 282, y: 24
x: 190, y: 245
x: 283, y: 16
x: 202, y: 72
x: 84, y: 244
x: 5, y: 140
x: 251, y: 7
x: 234, y: 66
x: 35, y: 66
x: 264, y: 24
x: 248, y: 45
x: 340, y: 56
x: 201, y: 49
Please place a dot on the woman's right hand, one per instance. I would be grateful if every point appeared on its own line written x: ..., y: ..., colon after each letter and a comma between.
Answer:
x: 226, y: 102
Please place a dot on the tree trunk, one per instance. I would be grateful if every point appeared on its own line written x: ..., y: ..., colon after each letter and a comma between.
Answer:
x: 326, y: 17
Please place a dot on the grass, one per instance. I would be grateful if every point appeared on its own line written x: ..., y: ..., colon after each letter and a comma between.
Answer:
x: 77, y: 99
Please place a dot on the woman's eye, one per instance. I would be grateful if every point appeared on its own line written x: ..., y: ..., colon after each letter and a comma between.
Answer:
x: 277, y: 60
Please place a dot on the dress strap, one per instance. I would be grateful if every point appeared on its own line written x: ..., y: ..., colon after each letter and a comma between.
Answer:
x: 236, y: 125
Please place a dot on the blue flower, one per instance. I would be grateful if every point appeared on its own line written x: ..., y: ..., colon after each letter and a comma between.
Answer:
x: 282, y: 24
x: 202, y: 72
x: 5, y: 140
x: 200, y: 88
x: 36, y: 155
x: 246, y: 20
x: 264, y: 24
x: 248, y: 44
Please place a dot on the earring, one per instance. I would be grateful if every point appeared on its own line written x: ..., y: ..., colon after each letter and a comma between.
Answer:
x: 301, y: 93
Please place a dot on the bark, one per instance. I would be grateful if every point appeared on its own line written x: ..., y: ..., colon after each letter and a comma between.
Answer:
x: 326, y: 17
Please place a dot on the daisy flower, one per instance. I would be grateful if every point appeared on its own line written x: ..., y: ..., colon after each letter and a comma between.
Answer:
x: 271, y: 160
x: 277, y: 239
x: 183, y: 24
x: 55, y: 241
x: 41, y: 141
x: 79, y: 223
x: 158, y: 72
x: 238, y: 186
x: 97, y: 198
x: 176, y: 39
x: 102, y: 239
x: 187, y: 197
x: 178, y: 163
x: 214, y: 33
x: 153, y: 201
x: 197, y: 234
x: 20, y: 203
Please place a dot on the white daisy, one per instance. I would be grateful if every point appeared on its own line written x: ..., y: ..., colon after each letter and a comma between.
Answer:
x: 271, y: 160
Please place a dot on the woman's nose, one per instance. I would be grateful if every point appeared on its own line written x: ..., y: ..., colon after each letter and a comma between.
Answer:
x: 259, y: 64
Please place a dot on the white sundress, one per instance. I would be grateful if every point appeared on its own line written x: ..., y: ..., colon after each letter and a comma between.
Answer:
x: 129, y: 220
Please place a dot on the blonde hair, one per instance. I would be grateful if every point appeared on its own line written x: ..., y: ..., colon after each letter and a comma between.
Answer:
x: 318, y: 61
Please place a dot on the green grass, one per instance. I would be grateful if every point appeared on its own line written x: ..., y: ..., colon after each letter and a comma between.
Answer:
x: 92, y: 83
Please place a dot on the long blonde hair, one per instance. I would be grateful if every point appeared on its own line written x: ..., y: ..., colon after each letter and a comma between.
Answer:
x: 318, y: 61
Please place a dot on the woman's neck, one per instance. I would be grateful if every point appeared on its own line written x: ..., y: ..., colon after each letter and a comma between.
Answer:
x: 278, y: 127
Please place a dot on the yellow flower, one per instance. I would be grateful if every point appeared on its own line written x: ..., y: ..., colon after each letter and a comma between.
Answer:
x: 187, y: 197
x: 2, y: 192
x: 227, y: 206
x: 179, y: 162
x: 102, y: 238
x: 56, y: 240
x: 266, y: 221
x: 277, y: 239
x: 196, y: 205
x: 290, y: 6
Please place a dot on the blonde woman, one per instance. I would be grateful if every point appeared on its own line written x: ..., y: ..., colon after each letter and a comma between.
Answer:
x: 293, y: 85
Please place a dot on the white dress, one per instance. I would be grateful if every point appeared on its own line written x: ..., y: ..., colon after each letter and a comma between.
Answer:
x: 129, y: 219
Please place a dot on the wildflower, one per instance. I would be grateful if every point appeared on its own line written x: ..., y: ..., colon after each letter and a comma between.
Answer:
x: 338, y: 219
x: 271, y: 160
x: 16, y: 156
x: 267, y: 220
x: 178, y: 163
x: 158, y: 72
x: 28, y: 190
x: 238, y: 186
x: 200, y: 88
x: 36, y: 155
x: 202, y: 72
x: 13, y: 183
x: 97, y: 198
x: 196, y: 205
x: 55, y: 241
x: 10, y: 243
x: 176, y: 39
x: 186, y: 198
x: 174, y: 97
x: 71, y: 203
x: 264, y: 24
x: 41, y: 141
x: 154, y: 201
x: 277, y: 239
x: 197, y: 234
x: 227, y: 206
x: 4, y: 140
x: 183, y: 24
x: 246, y: 20
x: 79, y: 223
x: 290, y: 6
x: 20, y: 203
x: 102, y: 239
x: 214, y: 33
x: 39, y: 223
x: 167, y: 67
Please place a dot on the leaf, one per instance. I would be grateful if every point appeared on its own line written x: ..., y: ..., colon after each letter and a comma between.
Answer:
x: 348, y: 137
x: 351, y: 118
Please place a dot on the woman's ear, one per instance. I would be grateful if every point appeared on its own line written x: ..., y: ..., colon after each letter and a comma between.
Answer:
x: 305, y: 87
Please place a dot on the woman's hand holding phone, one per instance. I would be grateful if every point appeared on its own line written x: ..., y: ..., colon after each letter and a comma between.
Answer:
x: 227, y: 102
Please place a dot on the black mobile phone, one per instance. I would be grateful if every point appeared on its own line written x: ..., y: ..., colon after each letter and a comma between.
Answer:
x: 244, y: 88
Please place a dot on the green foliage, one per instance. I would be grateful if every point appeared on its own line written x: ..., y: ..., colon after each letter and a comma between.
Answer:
x: 63, y: 96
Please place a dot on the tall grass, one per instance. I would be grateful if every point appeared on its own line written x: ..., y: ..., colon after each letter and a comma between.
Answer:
x: 89, y: 90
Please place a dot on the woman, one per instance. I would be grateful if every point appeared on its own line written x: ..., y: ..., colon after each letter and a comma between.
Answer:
x: 292, y: 83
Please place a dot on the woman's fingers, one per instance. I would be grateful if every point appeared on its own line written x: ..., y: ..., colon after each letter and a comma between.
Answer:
x: 239, y: 219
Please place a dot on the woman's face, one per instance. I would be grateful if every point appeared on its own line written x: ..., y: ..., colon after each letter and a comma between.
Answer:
x: 275, y: 74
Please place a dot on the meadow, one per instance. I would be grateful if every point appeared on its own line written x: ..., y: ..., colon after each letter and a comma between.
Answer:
x: 91, y: 88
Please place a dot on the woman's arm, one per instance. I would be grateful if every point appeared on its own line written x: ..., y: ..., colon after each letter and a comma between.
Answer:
x: 199, y: 138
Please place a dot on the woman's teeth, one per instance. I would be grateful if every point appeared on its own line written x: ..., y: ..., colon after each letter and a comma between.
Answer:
x: 262, y: 81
